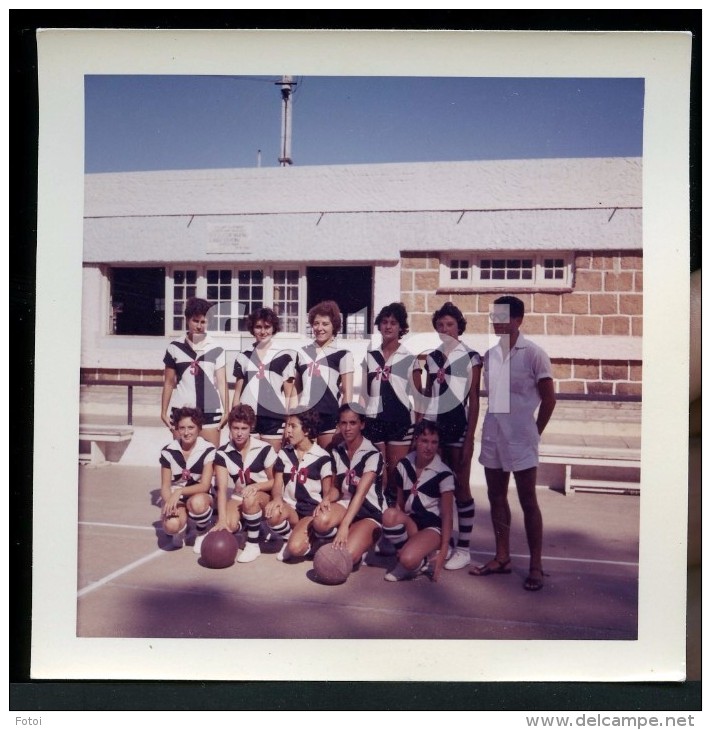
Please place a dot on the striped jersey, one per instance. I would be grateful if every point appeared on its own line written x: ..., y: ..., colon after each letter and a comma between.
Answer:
x: 349, y: 471
x: 187, y: 471
x: 302, y: 479
x: 422, y: 496
x: 320, y: 369
x: 195, y: 366
x: 264, y: 379
x: 449, y: 377
x: 249, y: 469
x: 389, y: 384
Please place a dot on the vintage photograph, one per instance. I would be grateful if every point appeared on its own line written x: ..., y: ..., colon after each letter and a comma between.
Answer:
x: 323, y: 320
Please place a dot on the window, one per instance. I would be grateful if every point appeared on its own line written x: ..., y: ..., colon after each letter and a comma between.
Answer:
x: 151, y: 301
x: 286, y: 298
x: 507, y: 271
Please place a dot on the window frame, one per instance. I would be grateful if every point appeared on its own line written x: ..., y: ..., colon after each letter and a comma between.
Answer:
x: 476, y: 283
x: 201, y: 288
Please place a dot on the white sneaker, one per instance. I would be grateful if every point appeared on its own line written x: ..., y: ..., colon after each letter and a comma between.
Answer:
x: 283, y: 554
x: 198, y: 542
x: 178, y: 540
x: 251, y: 552
x: 458, y: 559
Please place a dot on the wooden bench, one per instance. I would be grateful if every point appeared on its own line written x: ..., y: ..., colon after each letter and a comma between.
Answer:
x: 94, y: 440
x: 611, y: 457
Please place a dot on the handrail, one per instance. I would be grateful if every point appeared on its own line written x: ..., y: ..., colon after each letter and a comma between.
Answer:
x: 131, y: 384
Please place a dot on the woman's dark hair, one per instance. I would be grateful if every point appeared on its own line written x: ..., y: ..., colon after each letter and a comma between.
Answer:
x: 265, y: 315
x: 449, y: 309
x: 195, y: 306
x: 355, y: 407
x: 310, y: 422
x: 424, y: 426
x: 194, y: 413
x: 398, y: 311
x: 242, y: 414
x: 329, y: 309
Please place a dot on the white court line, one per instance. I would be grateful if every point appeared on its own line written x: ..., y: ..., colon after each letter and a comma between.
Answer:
x: 113, y: 524
x: 547, y: 558
x: 127, y: 568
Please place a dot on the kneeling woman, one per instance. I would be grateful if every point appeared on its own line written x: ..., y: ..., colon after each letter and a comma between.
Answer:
x: 186, y: 477
x: 421, y: 521
x: 355, y: 519
x: 303, y: 478
x: 249, y: 462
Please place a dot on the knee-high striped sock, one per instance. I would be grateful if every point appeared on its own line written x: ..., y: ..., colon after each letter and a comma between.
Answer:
x: 202, y: 521
x: 283, y: 529
x: 396, y: 535
x: 252, y: 524
x: 465, y: 518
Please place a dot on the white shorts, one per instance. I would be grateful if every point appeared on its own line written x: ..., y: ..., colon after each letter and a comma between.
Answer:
x: 501, y: 452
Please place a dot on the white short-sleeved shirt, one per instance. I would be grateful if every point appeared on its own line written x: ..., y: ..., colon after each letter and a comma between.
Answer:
x: 249, y: 469
x: 264, y: 379
x: 303, y: 479
x: 196, y: 365
x: 388, y: 384
x: 321, y: 369
x: 512, y: 385
x: 423, y: 496
x: 349, y: 472
x: 186, y: 472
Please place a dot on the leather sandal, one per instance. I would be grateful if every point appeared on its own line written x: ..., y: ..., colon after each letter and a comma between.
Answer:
x: 499, y: 567
x: 533, y: 584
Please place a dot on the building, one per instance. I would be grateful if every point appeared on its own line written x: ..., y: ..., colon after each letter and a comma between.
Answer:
x: 565, y: 235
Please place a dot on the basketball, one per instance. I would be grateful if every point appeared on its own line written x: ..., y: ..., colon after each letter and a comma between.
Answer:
x: 219, y: 549
x: 332, y: 566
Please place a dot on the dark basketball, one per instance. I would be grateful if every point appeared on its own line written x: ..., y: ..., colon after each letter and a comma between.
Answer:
x: 332, y: 566
x: 219, y: 549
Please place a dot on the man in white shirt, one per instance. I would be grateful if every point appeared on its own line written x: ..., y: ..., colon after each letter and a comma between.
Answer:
x: 519, y: 380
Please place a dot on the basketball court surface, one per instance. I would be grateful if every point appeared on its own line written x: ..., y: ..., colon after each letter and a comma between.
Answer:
x: 131, y: 585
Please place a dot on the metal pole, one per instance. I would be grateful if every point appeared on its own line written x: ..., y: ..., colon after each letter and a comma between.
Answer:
x: 130, y: 405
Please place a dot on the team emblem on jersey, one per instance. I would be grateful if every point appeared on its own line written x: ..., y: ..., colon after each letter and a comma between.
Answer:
x: 314, y: 370
x: 194, y: 367
x: 243, y: 475
x: 351, y: 478
x: 441, y: 375
x: 383, y: 373
x: 260, y: 371
x: 299, y: 475
x: 185, y: 475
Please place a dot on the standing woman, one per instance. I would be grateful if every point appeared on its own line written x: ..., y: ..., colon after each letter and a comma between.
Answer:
x: 324, y: 372
x: 387, y: 377
x: 264, y: 377
x: 303, y: 478
x: 186, y: 467
x: 453, y: 373
x: 195, y: 370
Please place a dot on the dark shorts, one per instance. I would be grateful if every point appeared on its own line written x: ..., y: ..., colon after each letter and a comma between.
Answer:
x: 267, y: 426
x: 327, y: 422
x: 380, y: 432
x: 452, y: 432
x: 426, y: 519
x: 209, y: 419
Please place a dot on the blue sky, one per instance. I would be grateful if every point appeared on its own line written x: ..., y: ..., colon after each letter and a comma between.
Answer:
x: 195, y: 122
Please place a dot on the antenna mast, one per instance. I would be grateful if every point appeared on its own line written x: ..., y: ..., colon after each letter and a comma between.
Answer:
x: 287, y: 85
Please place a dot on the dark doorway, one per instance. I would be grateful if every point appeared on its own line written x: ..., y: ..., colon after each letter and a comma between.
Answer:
x: 138, y: 301
x: 351, y: 287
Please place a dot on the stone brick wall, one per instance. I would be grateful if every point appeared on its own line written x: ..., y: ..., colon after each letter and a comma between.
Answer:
x: 605, y: 299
